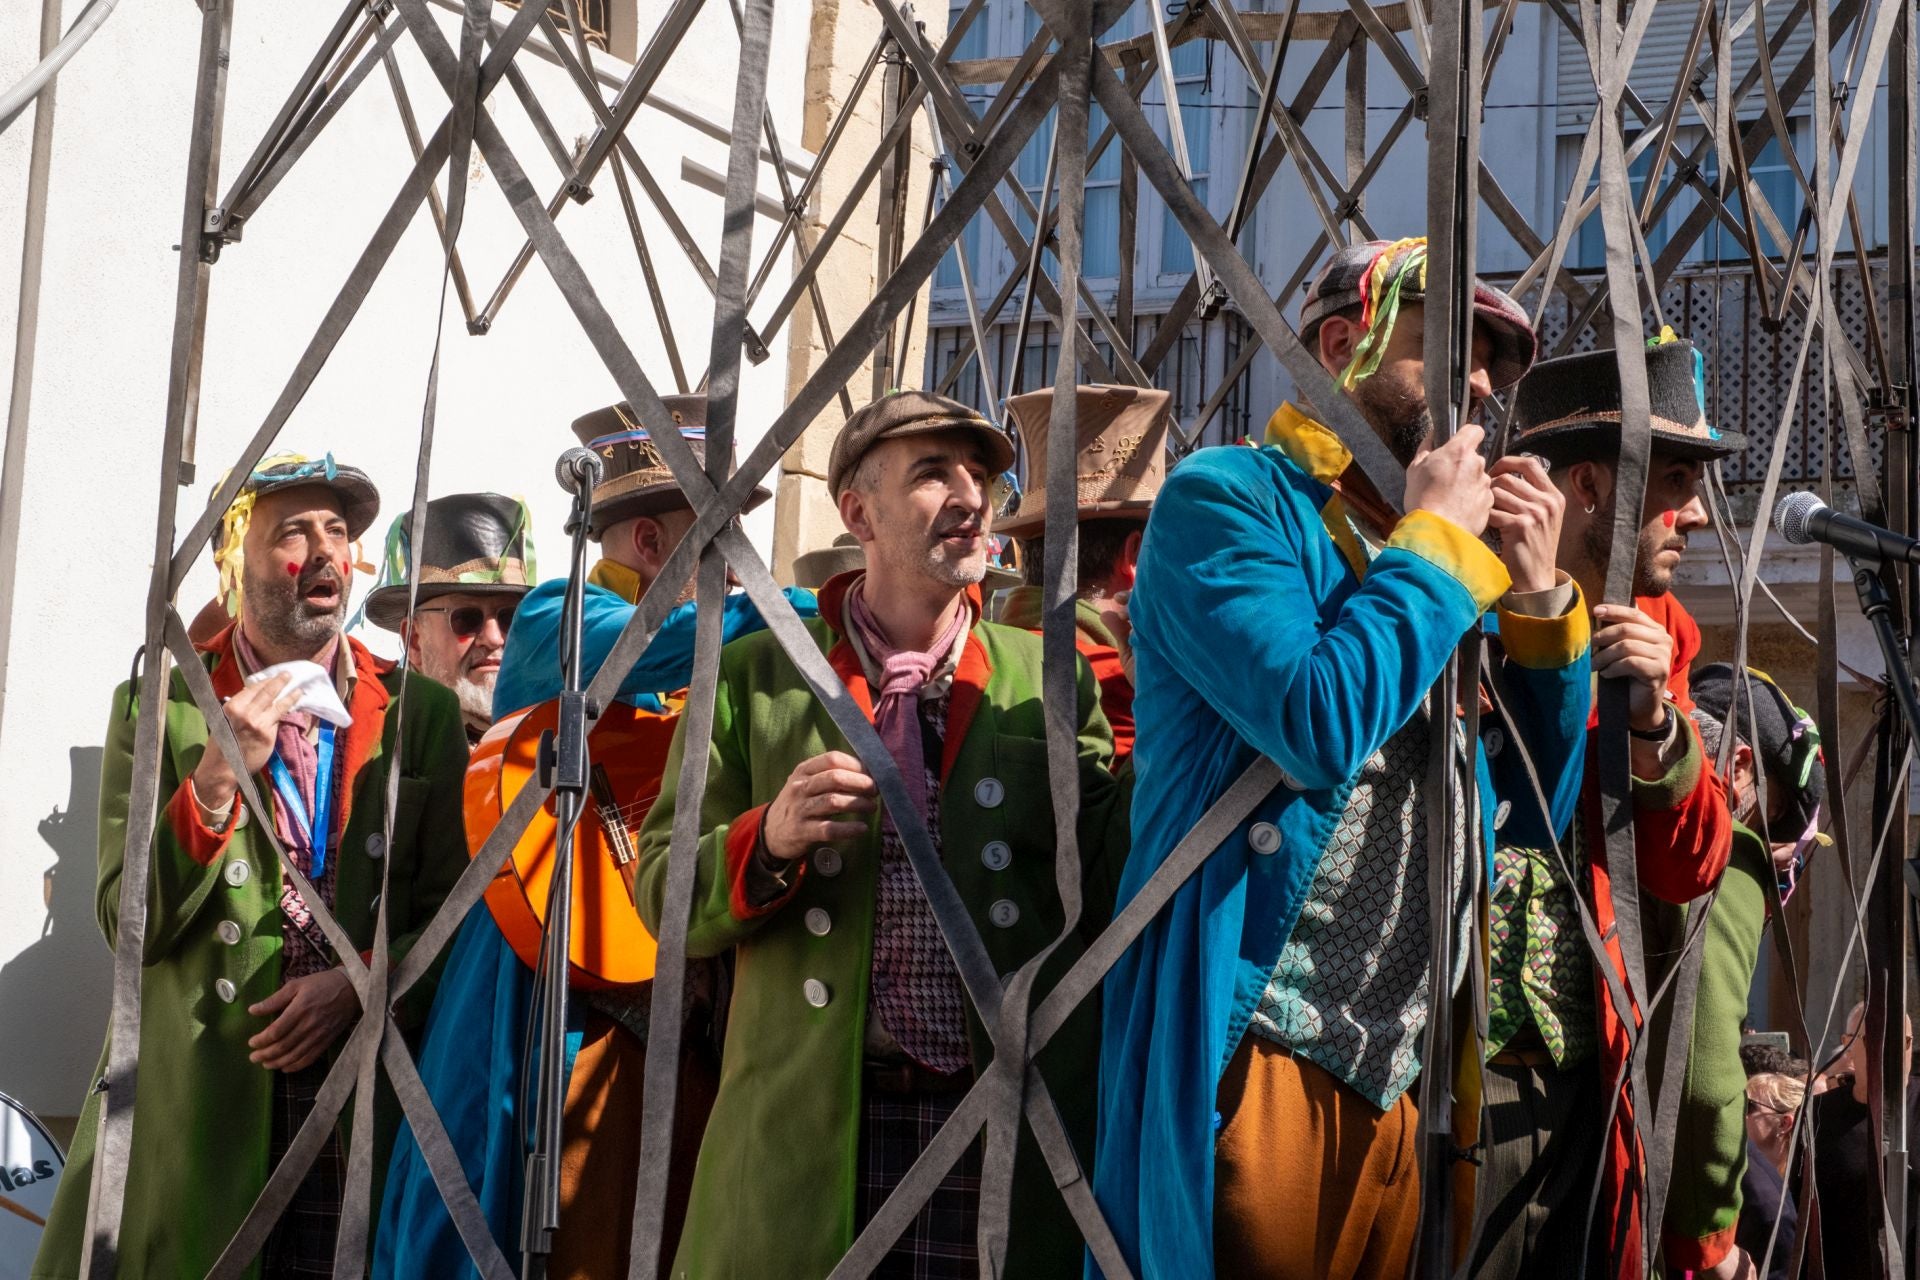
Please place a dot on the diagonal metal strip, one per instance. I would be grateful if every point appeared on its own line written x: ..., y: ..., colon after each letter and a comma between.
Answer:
x: 1447, y: 361
x: 449, y: 1177
x: 303, y: 115
x: 971, y: 958
x: 1630, y: 479
x: 256, y: 193
x: 118, y: 1084
x: 1370, y: 453
x: 659, y: 599
x: 344, y: 307
x: 666, y: 1021
x: 962, y: 121
x: 277, y: 1192
x: 1060, y: 661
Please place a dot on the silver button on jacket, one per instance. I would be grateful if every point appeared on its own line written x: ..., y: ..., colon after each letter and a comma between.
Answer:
x: 819, y: 923
x: 988, y: 792
x: 238, y: 872
x: 1264, y: 837
x: 816, y: 992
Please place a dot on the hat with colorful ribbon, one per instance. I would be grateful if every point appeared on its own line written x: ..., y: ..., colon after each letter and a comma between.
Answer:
x: 478, y: 544
x: 359, y: 504
x: 1380, y: 277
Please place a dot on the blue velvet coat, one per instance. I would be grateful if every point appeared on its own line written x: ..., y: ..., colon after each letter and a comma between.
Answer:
x: 1259, y: 627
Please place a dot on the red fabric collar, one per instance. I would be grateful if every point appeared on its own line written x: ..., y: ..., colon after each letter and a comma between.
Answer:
x: 969, y: 677
x: 367, y: 705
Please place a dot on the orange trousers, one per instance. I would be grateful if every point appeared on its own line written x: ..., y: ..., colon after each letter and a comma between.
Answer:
x: 600, y: 1150
x: 1311, y: 1181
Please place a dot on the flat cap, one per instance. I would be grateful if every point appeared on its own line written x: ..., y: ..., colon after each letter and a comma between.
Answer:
x: 910, y: 413
x: 1351, y: 274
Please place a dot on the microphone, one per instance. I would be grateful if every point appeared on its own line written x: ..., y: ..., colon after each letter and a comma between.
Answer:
x: 577, y: 467
x: 1803, y: 518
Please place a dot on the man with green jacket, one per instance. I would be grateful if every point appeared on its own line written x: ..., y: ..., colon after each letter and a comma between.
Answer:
x: 1776, y: 791
x: 243, y: 1001
x: 850, y: 1036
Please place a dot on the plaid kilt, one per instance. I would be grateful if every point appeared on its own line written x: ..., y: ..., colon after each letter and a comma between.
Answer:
x: 940, y: 1243
x: 301, y: 1243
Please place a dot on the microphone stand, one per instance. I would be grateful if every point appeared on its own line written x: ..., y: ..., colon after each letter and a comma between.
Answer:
x: 563, y: 766
x: 1877, y: 605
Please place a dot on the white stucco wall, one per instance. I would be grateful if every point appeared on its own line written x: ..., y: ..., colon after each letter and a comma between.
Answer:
x: 99, y: 387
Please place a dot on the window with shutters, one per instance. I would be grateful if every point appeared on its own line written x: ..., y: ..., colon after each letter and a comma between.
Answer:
x: 1777, y: 207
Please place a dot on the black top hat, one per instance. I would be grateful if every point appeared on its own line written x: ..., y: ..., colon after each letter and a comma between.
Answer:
x: 359, y: 500
x: 475, y: 544
x: 638, y: 481
x: 1574, y: 394
x: 1788, y: 740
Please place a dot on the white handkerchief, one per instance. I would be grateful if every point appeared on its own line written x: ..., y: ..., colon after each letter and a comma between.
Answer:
x: 318, y: 697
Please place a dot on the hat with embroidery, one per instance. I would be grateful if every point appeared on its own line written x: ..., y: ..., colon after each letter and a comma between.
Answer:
x: 1120, y: 454
x: 1380, y: 277
x: 1580, y: 394
x: 637, y: 480
x: 475, y: 544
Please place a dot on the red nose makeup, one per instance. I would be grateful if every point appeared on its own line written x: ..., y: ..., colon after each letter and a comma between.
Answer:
x: 1669, y: 517
x: 293, y: 571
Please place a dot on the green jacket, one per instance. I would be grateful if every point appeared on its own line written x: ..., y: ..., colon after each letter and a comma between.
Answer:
x: 203, y: 1112
x: 773, y: 1194
x: 1710, y: 1142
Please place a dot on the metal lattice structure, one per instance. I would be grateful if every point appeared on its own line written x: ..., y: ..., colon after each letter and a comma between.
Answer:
x: 1839, y: 328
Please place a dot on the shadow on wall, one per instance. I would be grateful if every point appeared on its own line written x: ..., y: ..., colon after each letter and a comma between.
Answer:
x: 54, y: 995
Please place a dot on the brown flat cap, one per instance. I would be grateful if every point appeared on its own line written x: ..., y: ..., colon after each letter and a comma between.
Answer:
x: 910, y: 413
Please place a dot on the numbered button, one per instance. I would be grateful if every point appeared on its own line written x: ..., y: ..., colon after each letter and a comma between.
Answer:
x: 996, y: 855
x: 988, y: 792
x: 819, y: 923
x: 228, y: 932
x: 238, y: 872
x: 1264, y: 837
x: 827, y: 862
x: 816, y: 992
x: 1004, y: 913
x: 225, y: 990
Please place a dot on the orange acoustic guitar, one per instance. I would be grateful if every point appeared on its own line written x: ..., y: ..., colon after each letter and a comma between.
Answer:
x: 609, y: 947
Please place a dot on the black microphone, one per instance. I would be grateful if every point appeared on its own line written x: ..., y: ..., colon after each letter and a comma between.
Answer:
x: 577, y: 467
x: 1803, y: 518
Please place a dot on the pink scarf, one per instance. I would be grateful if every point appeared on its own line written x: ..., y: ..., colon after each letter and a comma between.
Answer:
x: 903, y: 673
x: 294, y: 742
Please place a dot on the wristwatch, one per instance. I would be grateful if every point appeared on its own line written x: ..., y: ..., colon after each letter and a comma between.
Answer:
x: 1664, y: 735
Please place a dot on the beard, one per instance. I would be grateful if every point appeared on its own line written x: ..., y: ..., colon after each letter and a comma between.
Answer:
x: 925, y: 553
x: 278, y: 607
x: 475, y: 694
x: 1397, y: 412
x: 1649, y: 577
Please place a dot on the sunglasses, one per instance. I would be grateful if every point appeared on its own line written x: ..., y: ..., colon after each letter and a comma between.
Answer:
x: 466, y: 621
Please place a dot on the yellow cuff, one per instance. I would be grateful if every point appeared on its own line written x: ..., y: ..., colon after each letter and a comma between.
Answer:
x: 1447, y: 546
x: 1547, y: 644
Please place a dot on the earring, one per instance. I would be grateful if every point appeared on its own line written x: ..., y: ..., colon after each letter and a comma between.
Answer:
x: 1589, y: 508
